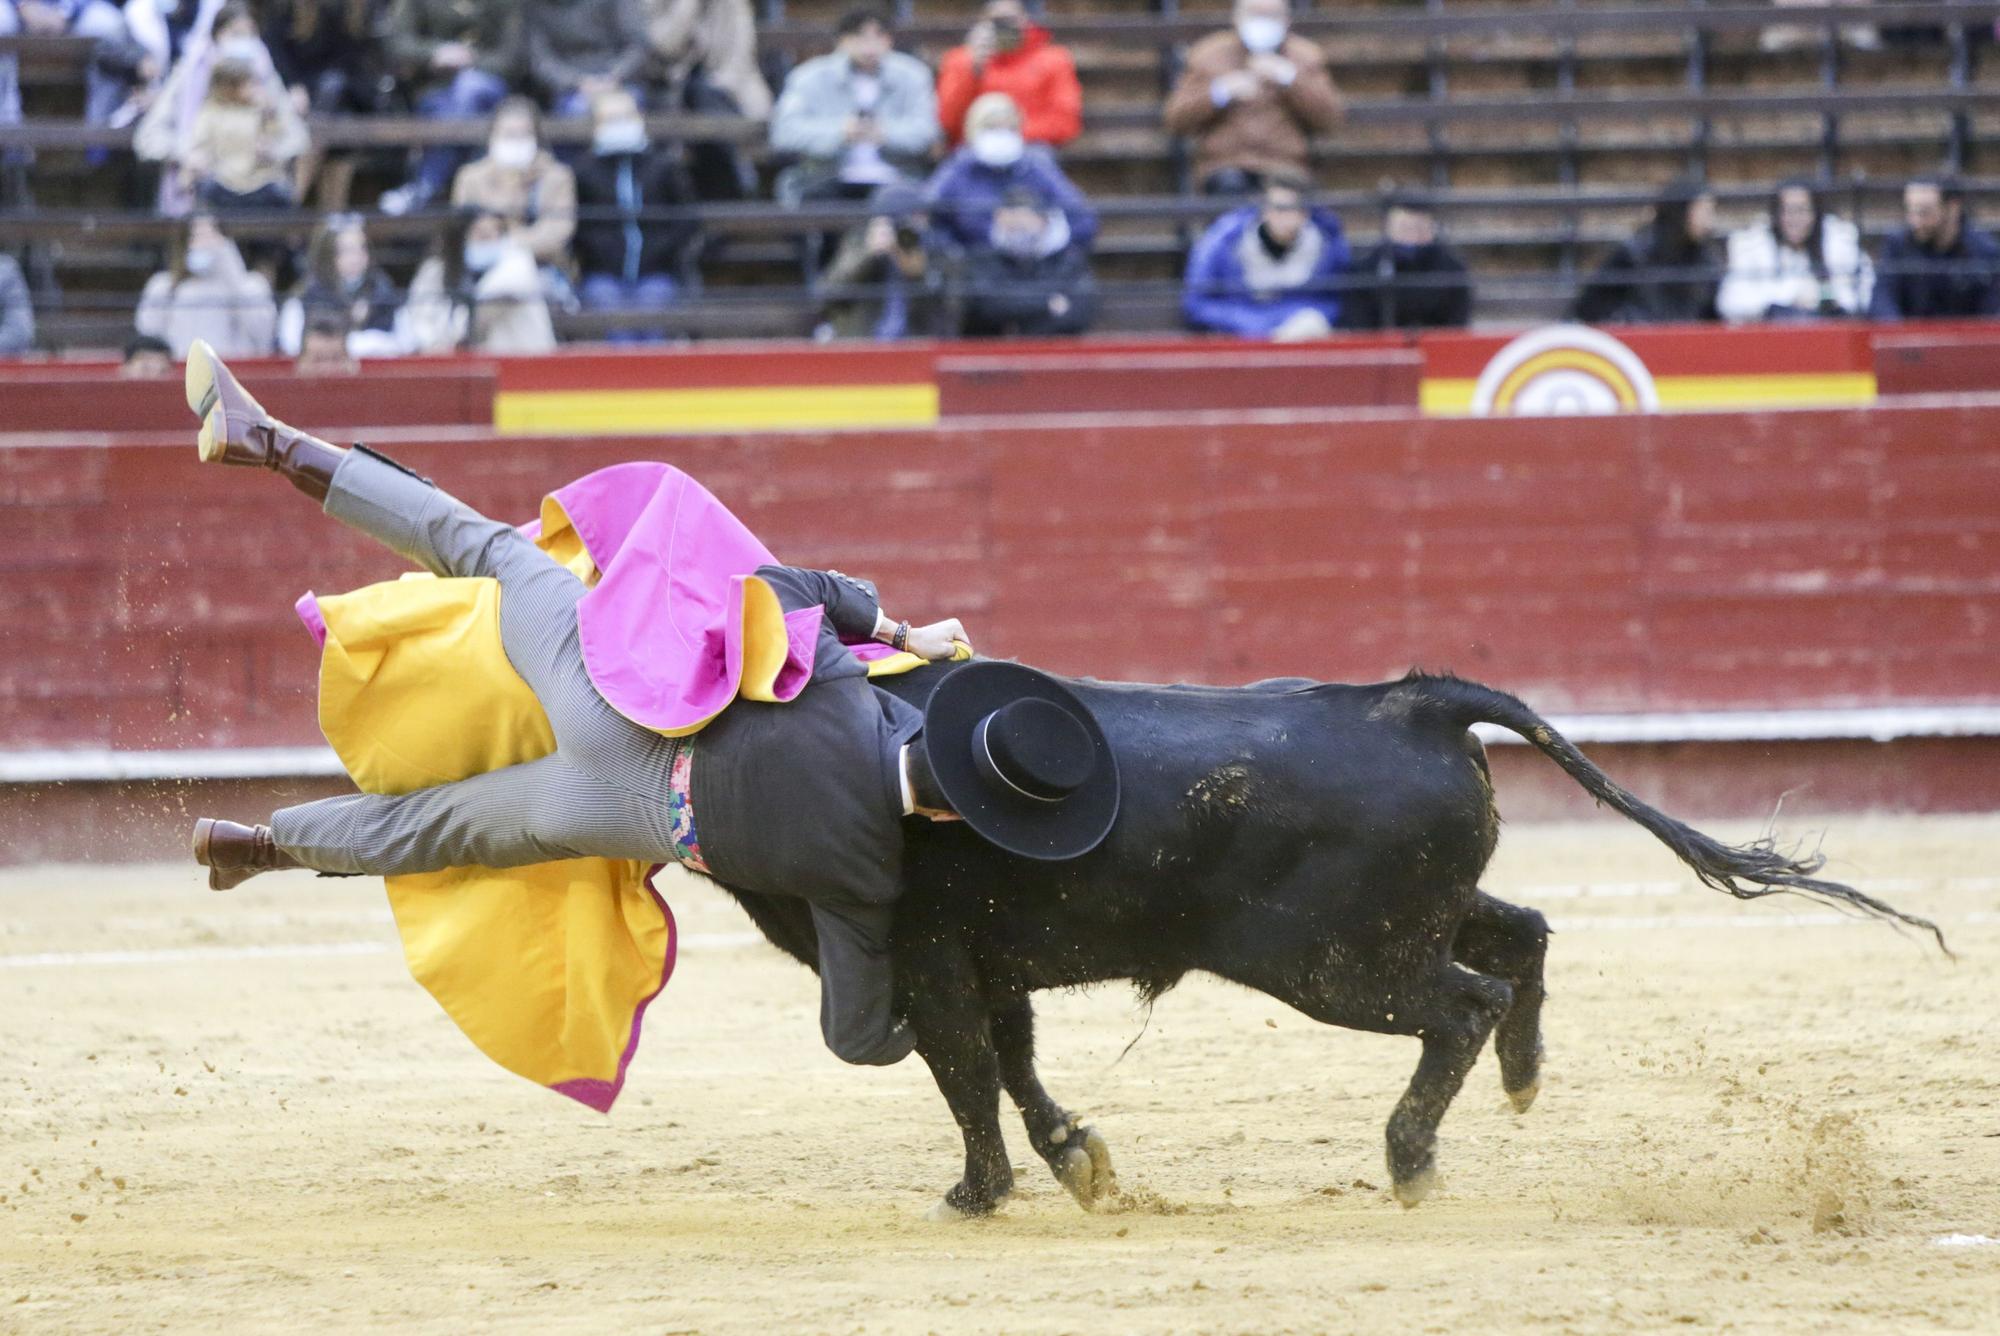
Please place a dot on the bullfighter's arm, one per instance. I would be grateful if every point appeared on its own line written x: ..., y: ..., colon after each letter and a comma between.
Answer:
x: 854, y: 611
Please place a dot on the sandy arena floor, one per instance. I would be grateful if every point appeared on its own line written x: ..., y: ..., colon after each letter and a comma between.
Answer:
x: 237, y: 1113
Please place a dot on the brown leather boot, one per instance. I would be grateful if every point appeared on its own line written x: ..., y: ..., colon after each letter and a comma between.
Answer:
x: 235, y: 429
x: 233, y: 854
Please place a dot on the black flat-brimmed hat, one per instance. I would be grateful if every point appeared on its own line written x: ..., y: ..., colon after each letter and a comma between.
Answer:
x: 1021, y: 758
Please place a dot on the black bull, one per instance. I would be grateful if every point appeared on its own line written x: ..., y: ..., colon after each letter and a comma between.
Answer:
x: 1320, y: 843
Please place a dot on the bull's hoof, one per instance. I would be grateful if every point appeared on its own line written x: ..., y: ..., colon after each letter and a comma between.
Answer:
x: 1524, y: 1098
x: 954, y: 1208
x: 1412, y: 1190
x: 1084, y: 1169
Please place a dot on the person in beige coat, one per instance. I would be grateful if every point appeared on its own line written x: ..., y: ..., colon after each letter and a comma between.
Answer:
x: 207, y: 292
x: 720, y: 36
x: 1252, y: 99
x: 523, y: 182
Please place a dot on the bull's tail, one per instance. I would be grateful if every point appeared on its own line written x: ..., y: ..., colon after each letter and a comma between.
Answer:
x: 1746, y: 871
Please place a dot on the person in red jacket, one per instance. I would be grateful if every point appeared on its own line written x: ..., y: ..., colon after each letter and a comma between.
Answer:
x: 1005, y: 53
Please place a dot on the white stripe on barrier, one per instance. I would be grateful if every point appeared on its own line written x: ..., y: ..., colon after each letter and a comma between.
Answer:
x: 105, y: 765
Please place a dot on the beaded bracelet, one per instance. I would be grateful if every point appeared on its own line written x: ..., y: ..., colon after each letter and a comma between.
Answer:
x: 900, y: 640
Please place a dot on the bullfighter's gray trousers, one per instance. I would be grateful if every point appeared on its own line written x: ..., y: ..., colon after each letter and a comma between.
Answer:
x: 602, y: 793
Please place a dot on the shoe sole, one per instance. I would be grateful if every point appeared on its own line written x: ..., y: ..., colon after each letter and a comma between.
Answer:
x: 204, y: 372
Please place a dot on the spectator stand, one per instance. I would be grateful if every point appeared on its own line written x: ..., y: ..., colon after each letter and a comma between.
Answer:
x: 1559, y: 120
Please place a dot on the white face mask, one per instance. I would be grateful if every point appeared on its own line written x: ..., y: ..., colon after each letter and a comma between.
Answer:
x: 515, y: 151
x: 246, y: 49
x: 200, y: 261
x: 619, y: 137
x: 998, y: 148
x: 1262, y: 35
x: 482, y: 255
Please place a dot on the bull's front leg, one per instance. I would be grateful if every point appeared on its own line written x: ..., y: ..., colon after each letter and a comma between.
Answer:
x: 1074, y: 1152
x: 954, y: 1036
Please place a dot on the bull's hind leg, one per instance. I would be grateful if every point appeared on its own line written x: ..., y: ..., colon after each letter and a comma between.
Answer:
x: 1074, y: 1152
x: 1510, y: 943
x: 1451, y: 1009
x: 954, y: 1036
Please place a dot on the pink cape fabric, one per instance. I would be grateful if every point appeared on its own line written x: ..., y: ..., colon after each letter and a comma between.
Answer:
x: 662, y: 630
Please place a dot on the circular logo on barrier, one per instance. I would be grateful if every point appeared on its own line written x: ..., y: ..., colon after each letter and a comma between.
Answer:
x: 1564, y: 371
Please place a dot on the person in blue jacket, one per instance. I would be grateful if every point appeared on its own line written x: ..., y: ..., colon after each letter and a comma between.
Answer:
x: 966, y: 190
x: 1271, y: 270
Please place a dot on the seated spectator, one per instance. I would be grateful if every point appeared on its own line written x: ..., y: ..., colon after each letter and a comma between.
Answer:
x: 578, y: 50
x: 1798, y: 263
x: 1670, y: 270
x: 625, y: 253
x: 1253, y: 98
x: 327, y: 52
x: 146, y: 358
x: 884, y: 283
x: 104, y: 86
x: 207, y: 292
x: 966, y: 189
x: 165, y: 134
x: 341, y: 276
x: 1030, y: 278
x: 456, y: 57
x: 17, y: 309
x: 244, y: 141
x: 157, y: 32
x: 1939, y: 266
x: 713, y: 42
x: 479, y: 289
x: 323, y: 348
x: 1271, y: 270
x: 523, y: 183
x: 13, y: 161
x: 1409, y: 279
x: 1008, y: 53
x: 858, y: 118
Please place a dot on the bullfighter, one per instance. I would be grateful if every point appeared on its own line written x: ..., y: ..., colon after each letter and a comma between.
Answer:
x: 681, y: 733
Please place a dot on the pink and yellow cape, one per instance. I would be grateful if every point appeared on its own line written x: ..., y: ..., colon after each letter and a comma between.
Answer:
x: 549, y: 969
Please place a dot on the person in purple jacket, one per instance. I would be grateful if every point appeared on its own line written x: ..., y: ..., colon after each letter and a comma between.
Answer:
x: 967, y: 187
x: 1271, y: 270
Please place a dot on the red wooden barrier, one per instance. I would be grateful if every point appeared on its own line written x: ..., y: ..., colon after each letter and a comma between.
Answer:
x: 1196, y: 380
x: 1712, y: 561
x: 388, y: 396
x: 1933, y: 362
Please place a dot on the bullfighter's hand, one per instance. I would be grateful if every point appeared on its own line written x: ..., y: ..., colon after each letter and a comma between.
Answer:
x: 938, y: 640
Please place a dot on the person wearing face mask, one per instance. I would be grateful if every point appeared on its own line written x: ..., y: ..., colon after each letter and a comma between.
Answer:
x: 1252, y: 99
x: 1007, y: 53
x: 207, y: 292
x: 1939, y: 266
x: 967, y: 187
x: 1670, y: 270
x: 341, y: 276
x: 522, y: 182
x: 1271, y: 270
x: 165, y: 134
x: 625, y: 252
x: 1798, y: 263
x: 857, y: 118
x: 1409, y: 279
x: 480, y: 289
x: 1028, y: 280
